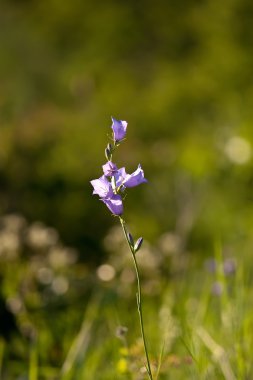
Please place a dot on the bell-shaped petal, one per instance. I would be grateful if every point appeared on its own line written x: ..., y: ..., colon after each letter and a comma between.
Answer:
x: 134, y: 179
x: 102, y: 187
x: 114, y: 203
x: 119, y: 128
x: 109, y: 169
x: 120, y: 176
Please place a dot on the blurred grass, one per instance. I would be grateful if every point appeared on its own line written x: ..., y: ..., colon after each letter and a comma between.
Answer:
x: 69, y: 323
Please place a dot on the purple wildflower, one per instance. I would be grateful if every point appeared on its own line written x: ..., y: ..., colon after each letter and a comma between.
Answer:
x: 134, y: 179
x: 114, y: 181
x: 114, y: 203
x: 102, y: 187
x: 119, y: 129
x: 109, y: 169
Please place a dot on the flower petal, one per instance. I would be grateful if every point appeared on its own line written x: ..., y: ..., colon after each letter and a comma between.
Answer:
x: 120, y: 176
x: 134, y: 179
x: 102, y: 187
x: 109, y: 169
x: 119, y: 128
x: 114, y: 203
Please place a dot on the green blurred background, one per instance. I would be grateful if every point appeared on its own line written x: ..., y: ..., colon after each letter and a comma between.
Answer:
x: 180, y: 72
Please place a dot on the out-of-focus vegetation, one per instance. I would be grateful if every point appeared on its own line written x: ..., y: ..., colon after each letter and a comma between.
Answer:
x: 181, y: 74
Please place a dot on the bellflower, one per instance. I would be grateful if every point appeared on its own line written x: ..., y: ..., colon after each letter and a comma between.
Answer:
x: 102, y: 187
x: 134, y: 179
x: 109, y: 169
x: 114, y: 203
x: 109, y: 188
x: 119, y: 129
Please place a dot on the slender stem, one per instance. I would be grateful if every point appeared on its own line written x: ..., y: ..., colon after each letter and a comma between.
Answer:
x: 139, y: 298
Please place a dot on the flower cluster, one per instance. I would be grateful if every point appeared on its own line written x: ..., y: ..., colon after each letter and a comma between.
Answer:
x: 115, y: 180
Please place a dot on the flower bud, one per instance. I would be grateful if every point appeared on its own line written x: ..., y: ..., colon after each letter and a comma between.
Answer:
x: 108, y: 153
x: 138, y: 244
x: 130, y: 239
x: 119, y: 128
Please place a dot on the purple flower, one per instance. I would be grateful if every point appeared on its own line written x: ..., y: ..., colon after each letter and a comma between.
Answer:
x: 114, y: 203
x: 119, y: 129
x: 114, y: 181
x: 109, y: 169
x: 102, y: 187
x: 134, y: 179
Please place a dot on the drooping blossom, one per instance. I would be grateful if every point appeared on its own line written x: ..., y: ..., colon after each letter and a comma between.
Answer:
x: 119, y: 128
x: 109, y: 169
x: 114, y: 203
x: 134, y: 179
x: 102, y: 187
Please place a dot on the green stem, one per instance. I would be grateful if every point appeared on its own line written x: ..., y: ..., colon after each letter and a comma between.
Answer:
x: 138, y: 297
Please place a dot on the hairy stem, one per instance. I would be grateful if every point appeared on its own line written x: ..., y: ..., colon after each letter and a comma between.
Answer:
x: 138, y: 297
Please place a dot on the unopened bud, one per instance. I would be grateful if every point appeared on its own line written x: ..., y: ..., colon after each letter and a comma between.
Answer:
x: 130, y: 239
x: 138, y: 244
x: 108, y: 154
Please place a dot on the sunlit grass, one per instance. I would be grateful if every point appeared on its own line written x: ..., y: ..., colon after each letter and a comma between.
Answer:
x: 206, y: 338
x: 198, y: 313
